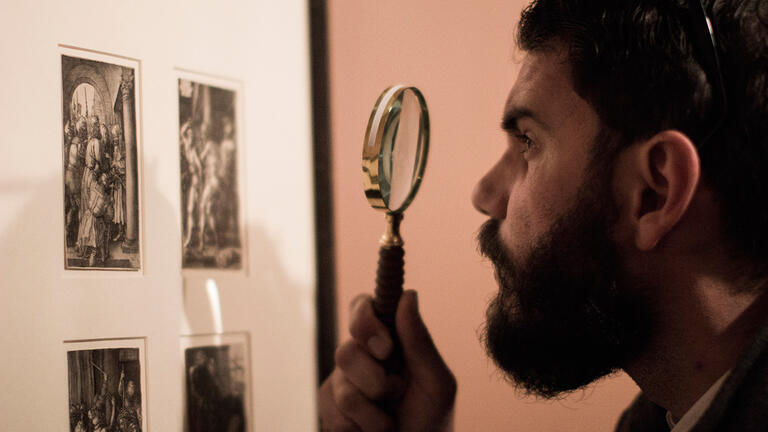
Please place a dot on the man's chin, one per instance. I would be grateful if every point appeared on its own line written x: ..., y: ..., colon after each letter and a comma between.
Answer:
x: 543, y: 359
x: 554, y: 328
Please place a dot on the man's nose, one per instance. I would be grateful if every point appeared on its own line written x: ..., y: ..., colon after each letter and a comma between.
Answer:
x: 490, y: 195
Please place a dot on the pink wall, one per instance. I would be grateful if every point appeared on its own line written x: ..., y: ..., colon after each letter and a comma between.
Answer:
x: 460, y: 54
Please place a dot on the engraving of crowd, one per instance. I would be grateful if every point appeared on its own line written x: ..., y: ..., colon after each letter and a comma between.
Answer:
x: 94, y: 187
x: 108, y: 412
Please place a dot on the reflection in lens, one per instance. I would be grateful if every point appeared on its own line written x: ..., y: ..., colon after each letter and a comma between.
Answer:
x: 395, y: 148
x: 400, y: 150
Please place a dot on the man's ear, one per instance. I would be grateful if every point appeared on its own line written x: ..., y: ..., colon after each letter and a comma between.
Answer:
x: 664, y: 174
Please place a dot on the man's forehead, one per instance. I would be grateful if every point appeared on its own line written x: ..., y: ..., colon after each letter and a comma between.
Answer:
x: 544, y: 81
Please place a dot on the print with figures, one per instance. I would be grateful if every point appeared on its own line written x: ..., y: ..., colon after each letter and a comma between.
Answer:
x: 106, y: 385
x: 211, y: 208
x: 217, y: 382
x: 100, y: 161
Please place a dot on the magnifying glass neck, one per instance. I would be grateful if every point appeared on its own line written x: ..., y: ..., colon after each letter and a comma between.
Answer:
x: 391, y: 237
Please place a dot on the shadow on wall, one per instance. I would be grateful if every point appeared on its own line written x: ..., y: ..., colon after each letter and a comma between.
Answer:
x: 40, y: 305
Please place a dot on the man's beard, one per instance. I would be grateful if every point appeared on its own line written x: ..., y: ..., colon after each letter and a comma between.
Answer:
x: 562, y: 319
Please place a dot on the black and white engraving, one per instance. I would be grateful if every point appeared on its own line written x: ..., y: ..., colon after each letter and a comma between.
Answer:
x: 105, y: 390
x: 101, y: 201
x: 217, y: 382
x: 210, y: 200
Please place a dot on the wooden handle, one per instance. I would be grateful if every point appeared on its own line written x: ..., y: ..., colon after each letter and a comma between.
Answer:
x: 389, y: 288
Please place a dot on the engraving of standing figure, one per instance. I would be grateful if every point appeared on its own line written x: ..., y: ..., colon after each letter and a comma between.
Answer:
x: 210, y: 158
x: 193, y: 174
x: 106, y: 143
x: 130, y: 405
x: 104, y: 403
x: 87, y: 232
x: 68, y: 134
x: 100, y: 206
x: 118, y: 175
x: 73, y: 177
x: 227, y: 173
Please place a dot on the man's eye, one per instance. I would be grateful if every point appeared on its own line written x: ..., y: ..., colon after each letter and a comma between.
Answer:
x: 526, y: 142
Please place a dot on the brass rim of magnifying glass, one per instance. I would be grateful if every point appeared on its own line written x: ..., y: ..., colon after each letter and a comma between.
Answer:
x: 372, y: 153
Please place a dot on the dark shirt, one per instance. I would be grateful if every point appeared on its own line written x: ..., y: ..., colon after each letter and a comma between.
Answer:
x: 741, y: 404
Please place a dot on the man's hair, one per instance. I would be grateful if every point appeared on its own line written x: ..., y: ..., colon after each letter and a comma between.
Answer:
x: 638, y: 64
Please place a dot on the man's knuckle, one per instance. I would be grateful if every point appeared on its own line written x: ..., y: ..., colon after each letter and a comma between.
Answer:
x: 378, y: 385
x: 347, y: 399
x: 359, y: 327
x: 345, y: 354
x: 357, y: 302
x: 360, y: 323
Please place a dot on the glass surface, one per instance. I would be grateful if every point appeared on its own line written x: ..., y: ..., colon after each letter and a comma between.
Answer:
x: 400, y: 151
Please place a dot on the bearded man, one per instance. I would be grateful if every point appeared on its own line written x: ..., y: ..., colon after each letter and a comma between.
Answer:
x: 627, y: 226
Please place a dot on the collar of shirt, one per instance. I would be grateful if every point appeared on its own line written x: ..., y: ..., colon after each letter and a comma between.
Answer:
x: 695, y: 412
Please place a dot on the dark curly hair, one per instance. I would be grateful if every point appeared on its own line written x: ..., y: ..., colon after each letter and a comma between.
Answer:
x: 637, y: 62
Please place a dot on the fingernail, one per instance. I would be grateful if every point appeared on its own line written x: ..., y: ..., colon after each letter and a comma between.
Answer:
x: 379, y: 347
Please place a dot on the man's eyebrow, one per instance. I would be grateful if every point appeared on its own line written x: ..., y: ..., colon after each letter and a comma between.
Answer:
x: 513, y: 115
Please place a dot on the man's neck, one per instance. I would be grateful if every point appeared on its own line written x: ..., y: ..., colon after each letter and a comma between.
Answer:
x: 701, y: 332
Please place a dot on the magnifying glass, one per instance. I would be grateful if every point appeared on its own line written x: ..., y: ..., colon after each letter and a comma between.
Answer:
x: 394, y: 158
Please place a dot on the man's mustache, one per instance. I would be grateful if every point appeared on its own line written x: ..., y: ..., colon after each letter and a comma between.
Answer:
x: 489, y: 242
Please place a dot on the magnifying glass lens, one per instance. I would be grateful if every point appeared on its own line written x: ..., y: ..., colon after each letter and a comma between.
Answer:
x: 400, y: 150
x: 394, y: 157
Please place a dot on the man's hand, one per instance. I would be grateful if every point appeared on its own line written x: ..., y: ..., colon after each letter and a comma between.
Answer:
x: 359, y: 395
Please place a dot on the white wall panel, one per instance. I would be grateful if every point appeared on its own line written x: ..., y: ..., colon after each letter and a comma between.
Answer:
x: 264, y: 45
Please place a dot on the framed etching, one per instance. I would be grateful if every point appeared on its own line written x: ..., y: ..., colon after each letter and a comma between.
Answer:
x: 217, y: 382
x: 212, y: 208
x: 102, y: 257
x: 100, y: 153
x: 107, y: 385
